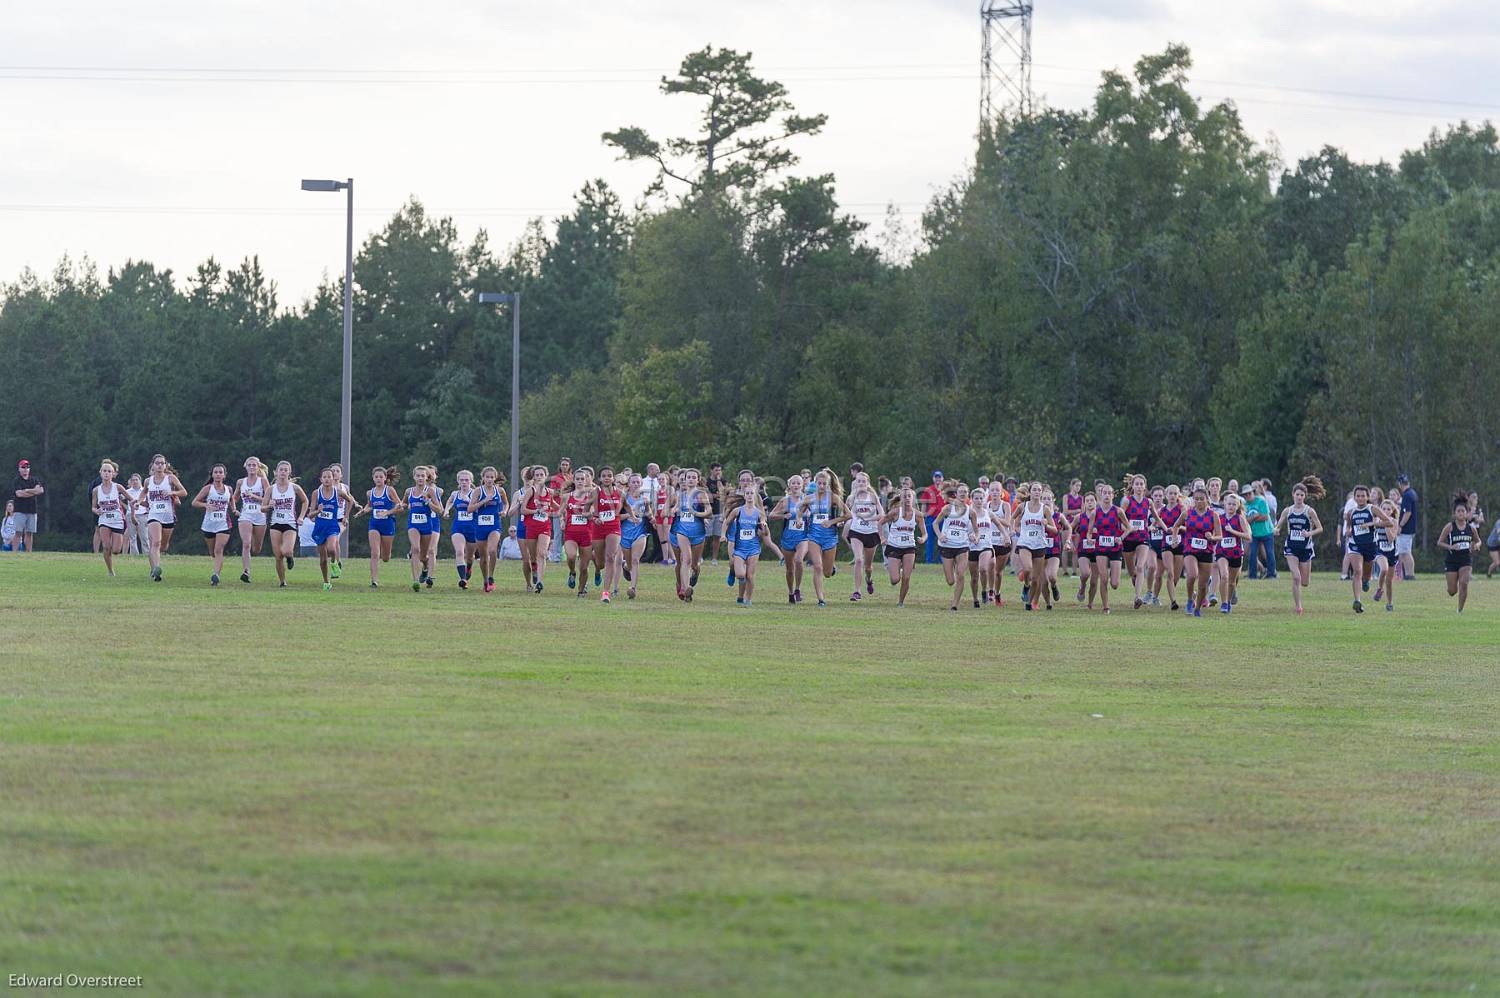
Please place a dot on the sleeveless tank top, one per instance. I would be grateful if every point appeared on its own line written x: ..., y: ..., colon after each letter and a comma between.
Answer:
x: 902, y: 531
x: 283, y: 504
x: 216, y: 516
x: 251, y: 497
x: 159, y: 496
x: 111, y: 511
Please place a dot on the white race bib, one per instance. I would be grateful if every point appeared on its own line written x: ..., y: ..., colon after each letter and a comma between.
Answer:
x: 486, y: 519
x: 464, y: 516
x: 1297, y: 535
x: 578, y: 519
x: 688, y: 519
x: 820, y: 518
x: 1137, y: 525
x: 1200, y: 543
x: 901, y: 537
x: 1360, y: 531
x: 539, y: 517
x: 747, y: 533
x: 606, y: 516
x: 380, y: 514
x: 418, y: 518
x: 1108, y: 542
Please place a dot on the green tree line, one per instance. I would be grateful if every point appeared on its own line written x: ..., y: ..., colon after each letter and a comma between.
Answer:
x: 1139, y: 285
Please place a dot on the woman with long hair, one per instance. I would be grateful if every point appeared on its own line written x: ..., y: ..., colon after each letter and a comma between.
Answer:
x: 743, y: 529
x: 1360, y: 523
x: 1082, y: 524
x: 422, y: 525
x: 793, y: 543
x: 537, y: 503
x: 825, y: 510
x: 1302, y: 527
x: 864, y: 531
x: 108, y: 502
x: 288, y: 509
x: 905, y: 531
x: 690, y: 511
x: 1387, y: 562
x: 1073, y: 505
x: 163, y: 491
x: 999, y: 508
x: 1458, y: 539
x: 1138, y: 555
x: 634, y: 525
x: 248, y: 503
x: 489, y: 507
x: 1166, y: 517
x: 323, y: 506
x: 459, y: 507
x: 956, y: 532
x: 382, y: 502
x: 605, y: 536
x: 1229, y: 554
x: 1107, y: 528
x: 579, y: 494
x: 981, y: 548
x: 1033, y: 525
x: 347, y: 505
x: 1199, y: 530
x: 214, y: 499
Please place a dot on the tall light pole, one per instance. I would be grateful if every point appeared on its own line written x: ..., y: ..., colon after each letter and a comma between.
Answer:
x: 346, y: 403
x: 513, y: 298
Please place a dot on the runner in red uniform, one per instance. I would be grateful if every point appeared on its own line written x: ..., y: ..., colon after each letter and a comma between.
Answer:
x: 608, y: 500
x: 1138, y: 552
x: 537, y: 503
x: 578, y: 525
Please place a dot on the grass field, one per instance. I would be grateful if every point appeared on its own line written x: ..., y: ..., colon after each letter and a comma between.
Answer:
x: 253, y: 791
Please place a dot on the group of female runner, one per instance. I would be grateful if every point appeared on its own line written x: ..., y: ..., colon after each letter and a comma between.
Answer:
x: 1150, y: 537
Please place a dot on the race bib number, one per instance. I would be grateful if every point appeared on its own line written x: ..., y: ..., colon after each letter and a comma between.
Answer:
x: 380, y: 514
x: 486, y: 519
x: 606, y: 516
x: 1155, y: 535
x: 539, y: 517
x: 1231, y: 543
x: 578, y: 519
x: 747, y: 533
x: 1137, y: 525
x: 796, y: 523
x: 250, y: 506
x: 324, y: 514
x: 418, y: 518
x: 1108, y: 542
x: 1200, y: 543
x: 160, y: 505
x: 688, y: 519
x: 1297, y: 535
x: 464, y: 516
x: 820, y: 518
x: 1461, y: 544
x: 901, y: 538
x: 1360, y: 531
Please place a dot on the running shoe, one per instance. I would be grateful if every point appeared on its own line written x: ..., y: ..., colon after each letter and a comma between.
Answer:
x: 463, y: 583
x: 1198, y: 611
x: 791, y: 599
x: 282, y: 586
x: 1226, y: 608
x: 854, y: 597
x: 953, y: 608
x: 213, y: 579
x: 693, y: 579
x: 1359, y: 607
x: 1190, y: 608
x: 1138, y: 604
x: 798, y: 594
x: 1026, y: 606
x: 538, y: 585
x: 572, y: 580
x: 374, y: 584
x: 335, y: 570
x: 156, y: 574
x: 604, y: 596
x: 244, y: 576
x: 822, y: 603
x: 1026, y: 593
x: 423, y: 576
x: 900, y: 602
x: 429, y: 582
x: 328, y: 587
x: 1213, y: 599
x: 729, y: 579
x: 1364, y: 586
x: 869, y: 585
x: 976, y: 603
x: 689, y: 594
x: 416, y: 587
x: 630, y: 593
x: 834, y: 572
x: 626, y: 570
x: 1106, y: 609
x: 1175, y: 607
x: 1389, y: 608
x: 598, y: 579
x: 739, y: 601
x: 1055, y: 597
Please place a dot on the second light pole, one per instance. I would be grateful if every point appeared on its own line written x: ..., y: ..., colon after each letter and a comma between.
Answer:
x: 513, y: 298
x: 346, y: 402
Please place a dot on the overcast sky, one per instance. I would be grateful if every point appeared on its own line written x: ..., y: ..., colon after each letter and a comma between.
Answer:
x: 174, y: 131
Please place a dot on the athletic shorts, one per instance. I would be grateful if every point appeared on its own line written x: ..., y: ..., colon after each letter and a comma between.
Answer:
x: 631, y: 532
x: 1454, y: 562
x: 111, y: 529
x: 868, y: 540
x: 583, y: 536
x: 1367, y: 553
x: 1156, y: 546
x: 1035, y: 552
x: 430, y: 527
x: 255, y: 519
x: 826, y: 542
x: 535, y: 527
x: 25, y: 523
x: 1403, y: 544
x: 521, y: 528
x: 1132, y: 545
x: 279, y: 527
x: 321, y: 533
x: 953, y: 552
x: 1302, y: 553
x: 1001, y: 550
x: 1389, y: 556
x: 464, y: 529
x: 384, y: 526
x: 1087, y: 552
x: 898, y: 553
x: 209, y: 535
x: 602, y: 530
x: 1115, y: 555
x: 976, y: 553
x: 1201, y: 557
x: 1235, y: 561
x: 746, y: 549
x: 165, y: 524
x: 791, y: 538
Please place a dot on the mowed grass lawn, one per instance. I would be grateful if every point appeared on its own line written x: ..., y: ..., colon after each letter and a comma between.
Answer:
x: 253, y: 791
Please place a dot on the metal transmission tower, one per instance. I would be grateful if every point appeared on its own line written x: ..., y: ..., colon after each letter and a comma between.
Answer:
x: 1005, y: 57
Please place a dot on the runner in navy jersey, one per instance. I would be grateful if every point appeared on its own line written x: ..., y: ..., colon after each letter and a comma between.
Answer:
x: 1302, y: 526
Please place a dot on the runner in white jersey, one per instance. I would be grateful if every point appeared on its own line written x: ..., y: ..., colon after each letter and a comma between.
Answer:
x: 955, y: 532
x: 109, y: 502
x: 162, y: 492
x: 981, y: 548
x: 288, y: 507
x: 1000, y: 514
x: 214, y: 499
x: 248, y: 505
x: 905, y: 531
x: 1029, y: 522
x: 864, y: 531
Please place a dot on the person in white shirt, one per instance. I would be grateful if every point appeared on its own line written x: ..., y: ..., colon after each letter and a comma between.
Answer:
x: 1265, y: 483
x: 8, y: 526
x: 510, y: 548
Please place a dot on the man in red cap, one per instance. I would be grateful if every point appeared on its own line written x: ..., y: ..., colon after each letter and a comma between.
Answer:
x: 24, y: 491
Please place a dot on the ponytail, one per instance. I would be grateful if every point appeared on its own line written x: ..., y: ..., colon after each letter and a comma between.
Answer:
x: 1314, y: 487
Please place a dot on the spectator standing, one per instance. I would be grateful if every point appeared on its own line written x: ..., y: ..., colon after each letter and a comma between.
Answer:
x: 650, y: 489
x: 715, y: 487
x: 8, y: 525
x: 1262, y: 547
x: 24, y: 491
x: 1408, y: 521
x: 1275, y: 507
x: 931, y: 502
